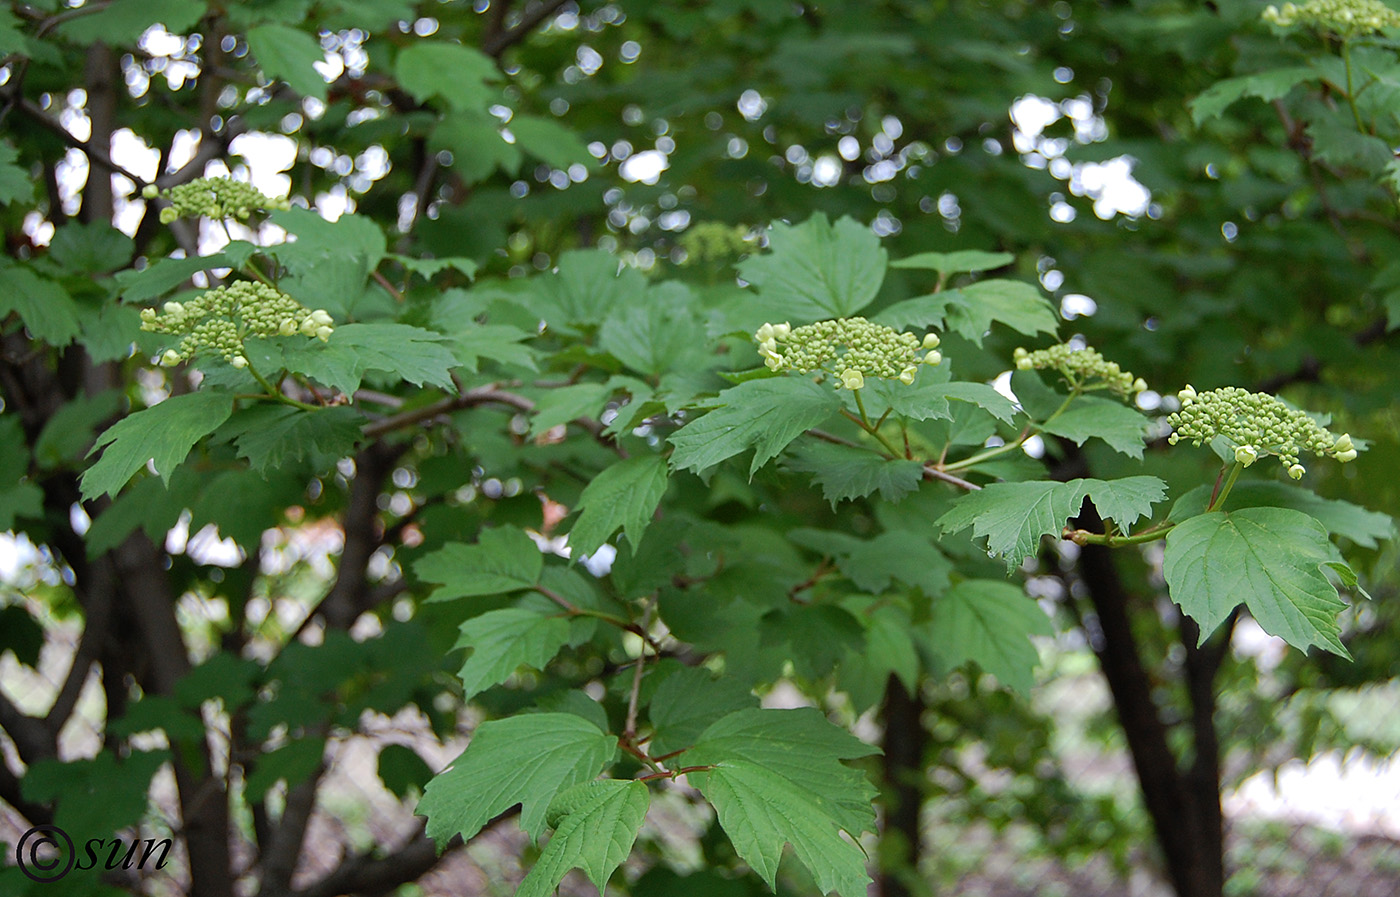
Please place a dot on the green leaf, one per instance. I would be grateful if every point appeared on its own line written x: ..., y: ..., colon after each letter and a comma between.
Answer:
x: 402, y: 770
x: 68, y: 434
x: 846, y: 473
x: 763, y: 414
x: 921, y: 311
x: 1267, y: 86
x: 504, y: 559
x: 816, y: 270
x: 289, y: 54
x: 599, y: 824
x: 1125, y: 500
x: 502, y: 641
x: 411, y: 352
x: 457, y: 73
x: 274, y: 436
x: 16, y: 186
x: 625, y: 495
x: 124, y: 21
x: 1342, y: 518
x: 588, y: 285
x: 43, y: 305
x: 93, y: 248
x: 295, y: 762
x: 319, y: 240
x: 1270, y: 559
x: 20, y: 632
x: 103, y: 794
x: 525, y: 760
x: 1018, y: 305
x: 566, y: 403
x: 963, y: 261
x: 165, y: 274
x: 654, y: 333
x: 549, y: 141
x: 984, y: 397
x: 873, y: 564
x: 1013, y: 516
x: 476, y: 144
x: 988, y: 622
x: 162, y: 434
x: 1090, y: 417
x: 498, y: 342
x: 688, y: 701
x: 776, y: 779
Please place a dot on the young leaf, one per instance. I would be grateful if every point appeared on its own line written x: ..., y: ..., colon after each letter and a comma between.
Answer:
x: 984, y: 397
x: 1125, y: 500
x: 565, y: 403
x: 15, y: 183
x: 1270, y: 559
x: 1088, y: 417
x: 817, y: 270
x: 457, y: 73
x: 44, y: 306
x: 598, y: 824
x: 845, y: 473
x: 504, y: 559
x: 988, y: 622
x: 625, y: 495
x: 503, y: 640
x: 962, y: 261
x: 776, y: 778
x: 274, y: 436
x: 1013, y: 516
x: 1013, y: 303
x: 526, y: 760
x: 289, y: 54
x: 765, y: 414
x: 1268, y: 86
x: 163, y: 433
x: 688, y: 701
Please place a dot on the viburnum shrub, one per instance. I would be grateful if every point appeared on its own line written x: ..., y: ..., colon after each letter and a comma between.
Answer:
x: 868, y: 412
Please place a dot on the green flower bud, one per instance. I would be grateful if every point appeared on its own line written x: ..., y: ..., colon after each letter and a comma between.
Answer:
x: 150, y: 191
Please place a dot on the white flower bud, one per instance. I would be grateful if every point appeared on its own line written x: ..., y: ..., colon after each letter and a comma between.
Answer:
x: 287, y: 327
x: 1187, y: 395
x: 1343, y: 443
x: 1139, y: 385
x: 1297, y: 471
x: 773, y: 361
x: 906, y: 376
x: 1246, y: 455
x: 308, y: 326
x: 173, y: 308
x: 170, y: 358
x: 238, y: 361
x: 783, y: 330
x: 322, y: 317
x: 1023, y: 364
x: 852, y: 379
x: 1348, y: 455
x: 931, y: 341
x: 764, y: 333
x: 934, y: 357
x: 324, y: 333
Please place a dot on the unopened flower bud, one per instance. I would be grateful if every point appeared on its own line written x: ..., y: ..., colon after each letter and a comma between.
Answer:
x: 322, y: 317
x: 173, y: 308
x: 287, y: 327
x: 1343, y: 443
x: 238, y: 361
x: 1187, y: 395
x: 1246, y: 455
x: 852, y: 379
x: 906, y: 376
x: 323, y: 333
x: 1139, y: 385
x: 170, y: 358
x: 934, y: 357
x: 783, y: 330
x: 168, y: 215
x: 150, y: 191
x: 931, y: 341
x: 1348, y: 455
x: 764, y: 333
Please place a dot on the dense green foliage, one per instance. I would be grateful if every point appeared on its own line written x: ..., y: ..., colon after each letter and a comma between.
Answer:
x: 661, y: 362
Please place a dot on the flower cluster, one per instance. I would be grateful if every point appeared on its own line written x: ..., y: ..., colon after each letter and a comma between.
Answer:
x: 213, y: 198
x: 1345, y: 18
x: 713, y: 241
x: 850, y: 348
x: 1081, y: 367
x: 1258, y: 425
x: 220, y: 319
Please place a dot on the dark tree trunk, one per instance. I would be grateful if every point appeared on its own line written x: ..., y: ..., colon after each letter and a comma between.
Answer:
x: 906, y: 741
